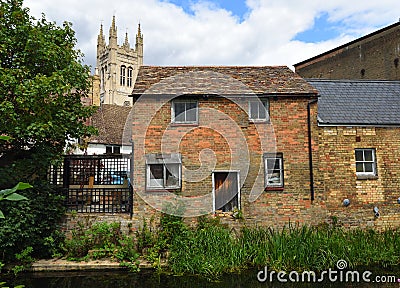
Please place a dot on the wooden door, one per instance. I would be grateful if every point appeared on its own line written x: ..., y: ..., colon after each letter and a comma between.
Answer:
x: 226, y: 191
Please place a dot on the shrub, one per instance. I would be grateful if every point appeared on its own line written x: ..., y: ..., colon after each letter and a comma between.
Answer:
x: 29, y: 222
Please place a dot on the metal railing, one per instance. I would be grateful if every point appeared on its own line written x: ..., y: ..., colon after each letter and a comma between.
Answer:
x: 94, y: 183
x: 98, y: 200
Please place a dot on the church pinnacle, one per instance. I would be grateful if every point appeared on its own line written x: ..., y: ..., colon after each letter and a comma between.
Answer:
x: 113, y: 28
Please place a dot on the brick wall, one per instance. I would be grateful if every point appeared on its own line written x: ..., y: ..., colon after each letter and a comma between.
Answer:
x: 337, y: 167
x: 374, y: 57
x: 225, y: 139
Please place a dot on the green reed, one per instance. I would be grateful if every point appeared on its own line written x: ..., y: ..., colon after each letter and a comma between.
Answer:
x: 214, y: 249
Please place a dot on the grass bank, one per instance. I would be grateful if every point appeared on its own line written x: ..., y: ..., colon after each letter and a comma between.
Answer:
x: 211, y: 249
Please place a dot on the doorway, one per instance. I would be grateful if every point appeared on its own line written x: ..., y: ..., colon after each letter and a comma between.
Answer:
x: 226, y: 190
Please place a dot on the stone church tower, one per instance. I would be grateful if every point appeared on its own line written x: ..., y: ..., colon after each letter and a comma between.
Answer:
x: 117, y: 66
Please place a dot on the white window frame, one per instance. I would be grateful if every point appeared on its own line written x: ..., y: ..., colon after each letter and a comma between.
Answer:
x: 165, y: 163
x: 173, y: 119
x: 130, y: 76
x: 273, y: 157
x: 363, y: 162
x: 122, y: 75
x: 265, y: 104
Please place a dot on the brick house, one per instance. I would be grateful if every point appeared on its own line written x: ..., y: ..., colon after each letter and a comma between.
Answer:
x: 221, y: 138
x: 373, y: 56
x: 359, y: 156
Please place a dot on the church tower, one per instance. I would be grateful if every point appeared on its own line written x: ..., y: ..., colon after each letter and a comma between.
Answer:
x: 118, y: 66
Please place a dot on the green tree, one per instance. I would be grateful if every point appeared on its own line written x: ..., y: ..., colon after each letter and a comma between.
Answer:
x: 42, y: 81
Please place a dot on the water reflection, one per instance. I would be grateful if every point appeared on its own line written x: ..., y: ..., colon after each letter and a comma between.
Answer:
x: 149, y: 279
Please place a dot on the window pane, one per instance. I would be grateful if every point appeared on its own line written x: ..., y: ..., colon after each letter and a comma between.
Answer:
x: 108, y: 149
x: 274, y: 172
x: 191, y: 112
x: 172, y: 175
x: 156, y: 171
x: 359, y: 167
x: 359, y: 155
x: 368, y: 167
x: 179, y: 110
x: 368, y: 155
x: 253, y: 110
x: 117, y: 150
x: 262, y: 111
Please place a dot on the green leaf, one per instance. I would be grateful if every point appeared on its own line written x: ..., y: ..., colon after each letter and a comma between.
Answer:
x: 19, y: 186
x: 1, y: 215
x: 15, y: 197
x: 23, y: 186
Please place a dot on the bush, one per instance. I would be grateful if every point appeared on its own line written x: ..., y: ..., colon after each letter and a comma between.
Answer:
x: 29, y: 222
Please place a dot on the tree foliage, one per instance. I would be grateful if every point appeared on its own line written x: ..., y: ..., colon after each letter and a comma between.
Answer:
x: 42, y: 80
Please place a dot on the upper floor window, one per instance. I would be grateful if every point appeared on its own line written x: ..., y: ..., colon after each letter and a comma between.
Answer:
x: 273, y: 170
x: 258, y: 110
x: 129, y: 79
x: 163, y: 171
x: 184, y: 111
x: 122, y: 76
x: 365, y: 162
x: 113, y: 149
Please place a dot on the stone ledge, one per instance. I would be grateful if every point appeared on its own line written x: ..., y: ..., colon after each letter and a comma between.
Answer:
x: 64, y: 265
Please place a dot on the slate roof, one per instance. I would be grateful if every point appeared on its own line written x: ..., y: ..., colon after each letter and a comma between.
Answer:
x: 110, y: 121
x: 220, y: 80
x: 358, y: 102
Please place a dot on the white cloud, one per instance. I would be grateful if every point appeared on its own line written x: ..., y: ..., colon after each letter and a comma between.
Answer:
x: 214, y: 36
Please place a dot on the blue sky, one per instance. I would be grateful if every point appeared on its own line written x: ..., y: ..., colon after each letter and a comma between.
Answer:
x: 222, y: 32
x: 237, y: 7
x: 322, y: 30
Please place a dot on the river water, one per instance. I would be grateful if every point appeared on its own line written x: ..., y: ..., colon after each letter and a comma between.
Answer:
x: 149, y: 279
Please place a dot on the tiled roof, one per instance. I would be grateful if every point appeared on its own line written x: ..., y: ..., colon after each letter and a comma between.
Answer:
x: 110, y: 121
x: 220, y: 80
x: 358, y: 102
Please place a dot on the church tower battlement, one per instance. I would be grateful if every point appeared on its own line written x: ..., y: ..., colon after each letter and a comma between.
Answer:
x: 117, y: 66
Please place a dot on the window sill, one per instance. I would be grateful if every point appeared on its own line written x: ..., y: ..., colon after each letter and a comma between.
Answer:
x: 259, y: 121
x: 173, y: 124
x: 367, y: 177
x: 162, y: 189
x: 274, y: 188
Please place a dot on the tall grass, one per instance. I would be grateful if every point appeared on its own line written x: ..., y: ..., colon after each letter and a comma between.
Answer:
x: 213, y: 249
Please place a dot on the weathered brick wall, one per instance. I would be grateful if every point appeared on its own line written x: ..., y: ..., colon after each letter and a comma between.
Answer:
x: 376, y: 57
x: 337, y: 167
x: 227, y: 140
